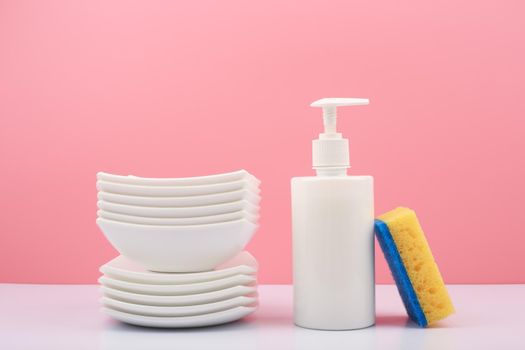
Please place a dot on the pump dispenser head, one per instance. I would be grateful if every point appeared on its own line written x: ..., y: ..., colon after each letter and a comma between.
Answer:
x: 330, y: 153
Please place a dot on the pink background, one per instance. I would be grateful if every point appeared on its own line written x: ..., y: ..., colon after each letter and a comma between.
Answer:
x: 182, y: 88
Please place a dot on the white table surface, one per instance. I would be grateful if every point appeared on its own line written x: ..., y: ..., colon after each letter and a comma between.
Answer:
x: 68, y: 317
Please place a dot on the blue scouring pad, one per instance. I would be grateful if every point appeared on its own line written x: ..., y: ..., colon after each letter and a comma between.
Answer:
x: 406, y: 290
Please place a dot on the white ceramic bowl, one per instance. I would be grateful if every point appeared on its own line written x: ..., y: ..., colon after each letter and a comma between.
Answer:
x: 189, y: 201
x: 174, y: 191
x: 177, y: 289
x: 181, y: 181
x: 178, y: 311
x: 126, y: 270
x: 211, y: 319
x: 179, y: 212
x: 190, y: 248
x: 179, y: 300
x: 199, y: 220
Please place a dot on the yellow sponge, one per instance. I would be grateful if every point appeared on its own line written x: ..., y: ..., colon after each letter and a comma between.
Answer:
x: 417, y: 259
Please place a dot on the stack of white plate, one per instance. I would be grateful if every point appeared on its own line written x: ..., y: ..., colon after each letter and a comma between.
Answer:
x: 144, y: 298
x: 182, y: 241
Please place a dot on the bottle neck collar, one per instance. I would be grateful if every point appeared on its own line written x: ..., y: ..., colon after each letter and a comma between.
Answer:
x: 331, y: 171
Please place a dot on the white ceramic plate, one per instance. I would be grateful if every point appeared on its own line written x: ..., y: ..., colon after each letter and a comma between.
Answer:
x: 177, y: 289
x: 179, y: 300
x: 126, y: 270
x: 173, y: 191
x: 212, y: 319
x: 198, y: 220
x: 178, y: 212
x: 181, y: 181
x: 190, y: 201
x: 178, y: 311
x: 191, y: 248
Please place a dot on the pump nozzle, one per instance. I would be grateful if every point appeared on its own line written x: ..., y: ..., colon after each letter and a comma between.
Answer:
x: 329, y: 106
x: 331, y: 149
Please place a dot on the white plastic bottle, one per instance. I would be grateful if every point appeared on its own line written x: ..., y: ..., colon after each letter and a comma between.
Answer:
x: 333, y: 239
